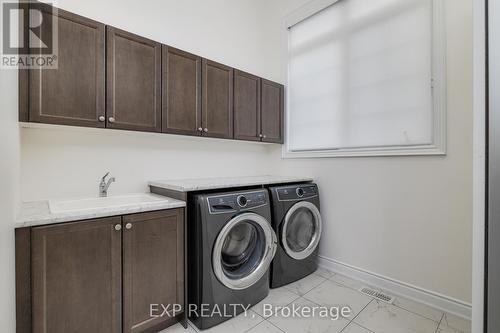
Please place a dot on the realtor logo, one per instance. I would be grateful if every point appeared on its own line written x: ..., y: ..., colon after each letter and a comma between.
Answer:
x: 29, y: 35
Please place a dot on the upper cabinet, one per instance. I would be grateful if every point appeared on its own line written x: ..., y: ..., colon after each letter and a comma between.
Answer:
x: 246, y: 106
x: 272, y: 110
x: 258, y: 108
x: 133, y: 82
x: 181, y: 101
x: 72, y: 94
x: 111, y: 78
x: 217, y: 97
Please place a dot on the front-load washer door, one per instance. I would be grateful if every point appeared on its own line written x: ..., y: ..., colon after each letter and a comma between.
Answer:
x: 301, y: 230
x: 243, y: 251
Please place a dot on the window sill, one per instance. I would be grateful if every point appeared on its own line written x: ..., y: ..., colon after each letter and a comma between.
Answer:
x: 431, y: 150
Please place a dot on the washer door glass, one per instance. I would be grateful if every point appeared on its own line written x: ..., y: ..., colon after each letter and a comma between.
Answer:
x: 243, y: 251
x: 301, y: 230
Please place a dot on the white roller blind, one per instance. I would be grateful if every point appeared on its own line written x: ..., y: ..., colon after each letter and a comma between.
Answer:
x: 360, y: 76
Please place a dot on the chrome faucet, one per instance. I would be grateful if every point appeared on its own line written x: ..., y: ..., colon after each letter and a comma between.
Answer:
x: 104, y: 186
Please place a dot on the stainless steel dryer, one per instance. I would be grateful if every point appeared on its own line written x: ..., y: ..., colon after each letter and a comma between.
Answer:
x: 296, y: 219
x: 231, y: 246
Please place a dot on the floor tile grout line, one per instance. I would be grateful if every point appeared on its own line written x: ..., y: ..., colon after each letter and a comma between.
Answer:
x: 325, y: 279
x: 322, y: 282
x: 353, y: 323
x: 418, y: 314
x: 340, y: 285
x: 275, y: 326
x: 307, y: 299
x: 346, y: 326
x: 254, y: 326
x: 299, y: 297
x: 369, y: 330
x: 293, y: 300
x: 250, y: 310
x: 356, y: 316
x: 329, y: 277
x: 286, y: 304
x: 439, y: 324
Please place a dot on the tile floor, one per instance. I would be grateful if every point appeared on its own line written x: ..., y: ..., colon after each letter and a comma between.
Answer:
x: 325, y: 288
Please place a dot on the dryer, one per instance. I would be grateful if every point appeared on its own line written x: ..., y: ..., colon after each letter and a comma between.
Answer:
x: 297, y: 221
x: 231, y: 246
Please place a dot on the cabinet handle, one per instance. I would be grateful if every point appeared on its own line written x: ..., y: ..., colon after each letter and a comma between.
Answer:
x: 128, y: 226
x: 264, y: 136
x: 205, y: 130
x: 118, y: 227
x: 260, y: 135
x: 102, y: 118
x: 111, y: 119
x: 200, y: 129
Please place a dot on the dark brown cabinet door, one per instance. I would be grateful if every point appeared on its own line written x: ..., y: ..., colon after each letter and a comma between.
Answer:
x: 72, y: 94
x: 133, y: 82
x: 181, y: 102
x: 153, y: 268
x: 217, y: 97
x: 246, y: 106
x: 272, y: 109
x: 76, y: 277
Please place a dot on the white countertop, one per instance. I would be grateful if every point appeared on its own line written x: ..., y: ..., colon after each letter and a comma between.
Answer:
x: 38, y: 213
x: 193, y: 184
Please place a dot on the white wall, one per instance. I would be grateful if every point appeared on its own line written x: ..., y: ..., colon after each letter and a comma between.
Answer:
x: 9, y: 193
x: 479, y: 167
x: 228, y: 31
x: 407, y: 218
x: 61, y: 163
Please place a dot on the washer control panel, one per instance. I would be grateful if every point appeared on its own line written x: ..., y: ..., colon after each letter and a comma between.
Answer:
x: 297, y: 192
x: 237, y: 201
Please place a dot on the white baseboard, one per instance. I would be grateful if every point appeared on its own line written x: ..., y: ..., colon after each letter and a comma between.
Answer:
x: 433, y: 299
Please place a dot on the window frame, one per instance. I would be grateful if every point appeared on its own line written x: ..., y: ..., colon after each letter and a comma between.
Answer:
x: 438, y: 85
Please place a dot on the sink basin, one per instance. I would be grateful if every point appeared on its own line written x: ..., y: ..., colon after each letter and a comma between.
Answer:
x: 89, y: 204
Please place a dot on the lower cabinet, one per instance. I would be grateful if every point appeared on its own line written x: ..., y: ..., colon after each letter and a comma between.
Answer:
x: 153, y: 268
x: 76, y: 277
x: 108, y: 275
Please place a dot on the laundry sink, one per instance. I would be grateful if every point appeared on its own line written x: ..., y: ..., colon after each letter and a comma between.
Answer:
x: 111, y: 202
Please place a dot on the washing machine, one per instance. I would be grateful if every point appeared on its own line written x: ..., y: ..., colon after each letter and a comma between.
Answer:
x: 296, y: 219
x: 231, y: 245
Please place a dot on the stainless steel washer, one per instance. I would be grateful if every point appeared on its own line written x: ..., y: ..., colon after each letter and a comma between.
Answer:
x: 231, y: 244
x: 297, y: 221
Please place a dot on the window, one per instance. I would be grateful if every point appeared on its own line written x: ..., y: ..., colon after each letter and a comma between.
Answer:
x: 365, y: 77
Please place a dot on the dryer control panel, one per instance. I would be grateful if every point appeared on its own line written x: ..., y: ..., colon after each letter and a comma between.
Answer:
x: 238, y: 201
x: 297, y: 192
